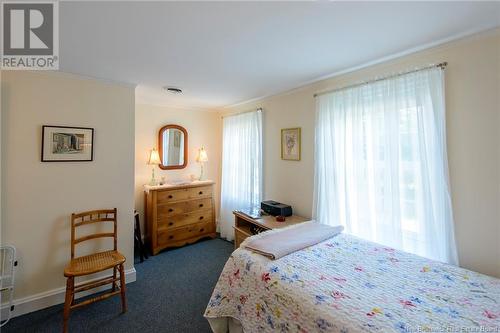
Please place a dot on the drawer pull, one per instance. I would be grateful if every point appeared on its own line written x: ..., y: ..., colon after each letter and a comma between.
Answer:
x: 170, y: 210
x: 171, y: 223
x: 201, y: 205
x: 200, y: 193
x: 202, y: 229
x: 170, y: 237
x: 170, y: 196
x: 201, y: 217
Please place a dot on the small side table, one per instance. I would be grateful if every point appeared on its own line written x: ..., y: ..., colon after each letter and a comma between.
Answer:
x: 243, y: 223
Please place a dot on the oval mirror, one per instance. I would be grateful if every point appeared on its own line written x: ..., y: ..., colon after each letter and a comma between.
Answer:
x: 172, y: 143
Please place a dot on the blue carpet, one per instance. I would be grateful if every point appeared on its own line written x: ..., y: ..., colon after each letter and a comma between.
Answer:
x: 170, y: 295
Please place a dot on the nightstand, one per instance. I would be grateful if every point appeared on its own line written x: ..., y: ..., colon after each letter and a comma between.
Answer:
x: 244, y: 223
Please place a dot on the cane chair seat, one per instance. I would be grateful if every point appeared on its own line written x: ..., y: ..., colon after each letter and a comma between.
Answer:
x: 93, y: 263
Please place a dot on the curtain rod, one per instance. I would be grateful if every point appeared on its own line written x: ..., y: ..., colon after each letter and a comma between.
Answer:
x: 440, y: 65
x: 238, y: 113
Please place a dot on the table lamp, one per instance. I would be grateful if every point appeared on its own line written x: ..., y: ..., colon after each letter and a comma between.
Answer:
x: 154, y: 159
x: 202, y: 158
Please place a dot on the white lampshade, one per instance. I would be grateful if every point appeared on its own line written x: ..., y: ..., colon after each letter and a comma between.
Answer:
x: 202, y: 155
x: 154, y: 157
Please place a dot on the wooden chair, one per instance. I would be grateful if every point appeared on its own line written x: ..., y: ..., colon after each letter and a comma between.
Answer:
x: 93, y: 263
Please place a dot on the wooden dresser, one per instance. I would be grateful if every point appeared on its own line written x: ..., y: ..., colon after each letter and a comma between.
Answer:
x: 179, y: 215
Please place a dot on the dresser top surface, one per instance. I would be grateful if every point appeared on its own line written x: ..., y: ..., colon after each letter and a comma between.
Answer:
x: 196, y: 183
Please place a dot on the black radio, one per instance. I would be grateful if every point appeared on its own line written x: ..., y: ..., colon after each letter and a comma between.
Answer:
x: 275, y: 208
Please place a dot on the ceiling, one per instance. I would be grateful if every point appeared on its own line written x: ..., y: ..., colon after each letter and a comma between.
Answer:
x: 222, y: 53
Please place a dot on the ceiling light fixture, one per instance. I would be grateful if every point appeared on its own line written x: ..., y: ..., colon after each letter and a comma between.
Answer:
x: 173, y: 90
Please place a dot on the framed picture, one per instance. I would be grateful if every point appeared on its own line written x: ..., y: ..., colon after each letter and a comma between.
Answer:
x: 67, y: 144
x: 290, y: 144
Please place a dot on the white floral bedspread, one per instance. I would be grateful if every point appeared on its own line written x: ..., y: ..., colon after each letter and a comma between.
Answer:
x: 346, y: 284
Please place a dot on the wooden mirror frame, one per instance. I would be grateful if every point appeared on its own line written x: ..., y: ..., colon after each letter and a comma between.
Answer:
x: 160, y: 147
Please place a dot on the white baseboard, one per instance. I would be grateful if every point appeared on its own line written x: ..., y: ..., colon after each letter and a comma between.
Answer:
x: 52, y: 297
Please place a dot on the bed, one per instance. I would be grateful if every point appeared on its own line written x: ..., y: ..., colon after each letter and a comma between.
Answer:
x: 345, y: 285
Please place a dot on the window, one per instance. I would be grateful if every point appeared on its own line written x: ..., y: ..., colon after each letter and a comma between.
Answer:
x: 381, y: 164
x: 241, y: 166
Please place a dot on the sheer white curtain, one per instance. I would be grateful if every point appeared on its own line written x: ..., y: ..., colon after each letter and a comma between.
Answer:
x: 241, y: 167
x: 381, y: 165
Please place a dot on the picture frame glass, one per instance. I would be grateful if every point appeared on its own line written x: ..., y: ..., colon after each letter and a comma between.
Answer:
x: 290, y: 144
x: 61, y: 144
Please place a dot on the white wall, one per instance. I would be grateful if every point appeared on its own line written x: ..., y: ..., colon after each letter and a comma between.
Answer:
x: 204, y: 130
x: 472, y: 90
x: 38, y: 198
x: 1, y: 162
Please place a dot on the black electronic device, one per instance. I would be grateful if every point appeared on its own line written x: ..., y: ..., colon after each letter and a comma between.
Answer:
x: 276, y: 208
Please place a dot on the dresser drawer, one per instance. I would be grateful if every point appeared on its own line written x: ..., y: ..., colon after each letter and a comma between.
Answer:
x: 173, y: 195
x: 170, y: 222
x: 200, y: 192
x: 184, y: 194
x: 199, y: 204
x: 176, y: 208
x: 186, y: 232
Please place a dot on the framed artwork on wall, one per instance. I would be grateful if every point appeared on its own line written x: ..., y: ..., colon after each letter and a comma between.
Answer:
x: 67, y: 144
x: 290, y: 144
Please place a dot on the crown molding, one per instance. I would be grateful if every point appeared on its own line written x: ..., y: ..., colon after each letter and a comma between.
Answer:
x: 72, y: 75
x: 468, y: 35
